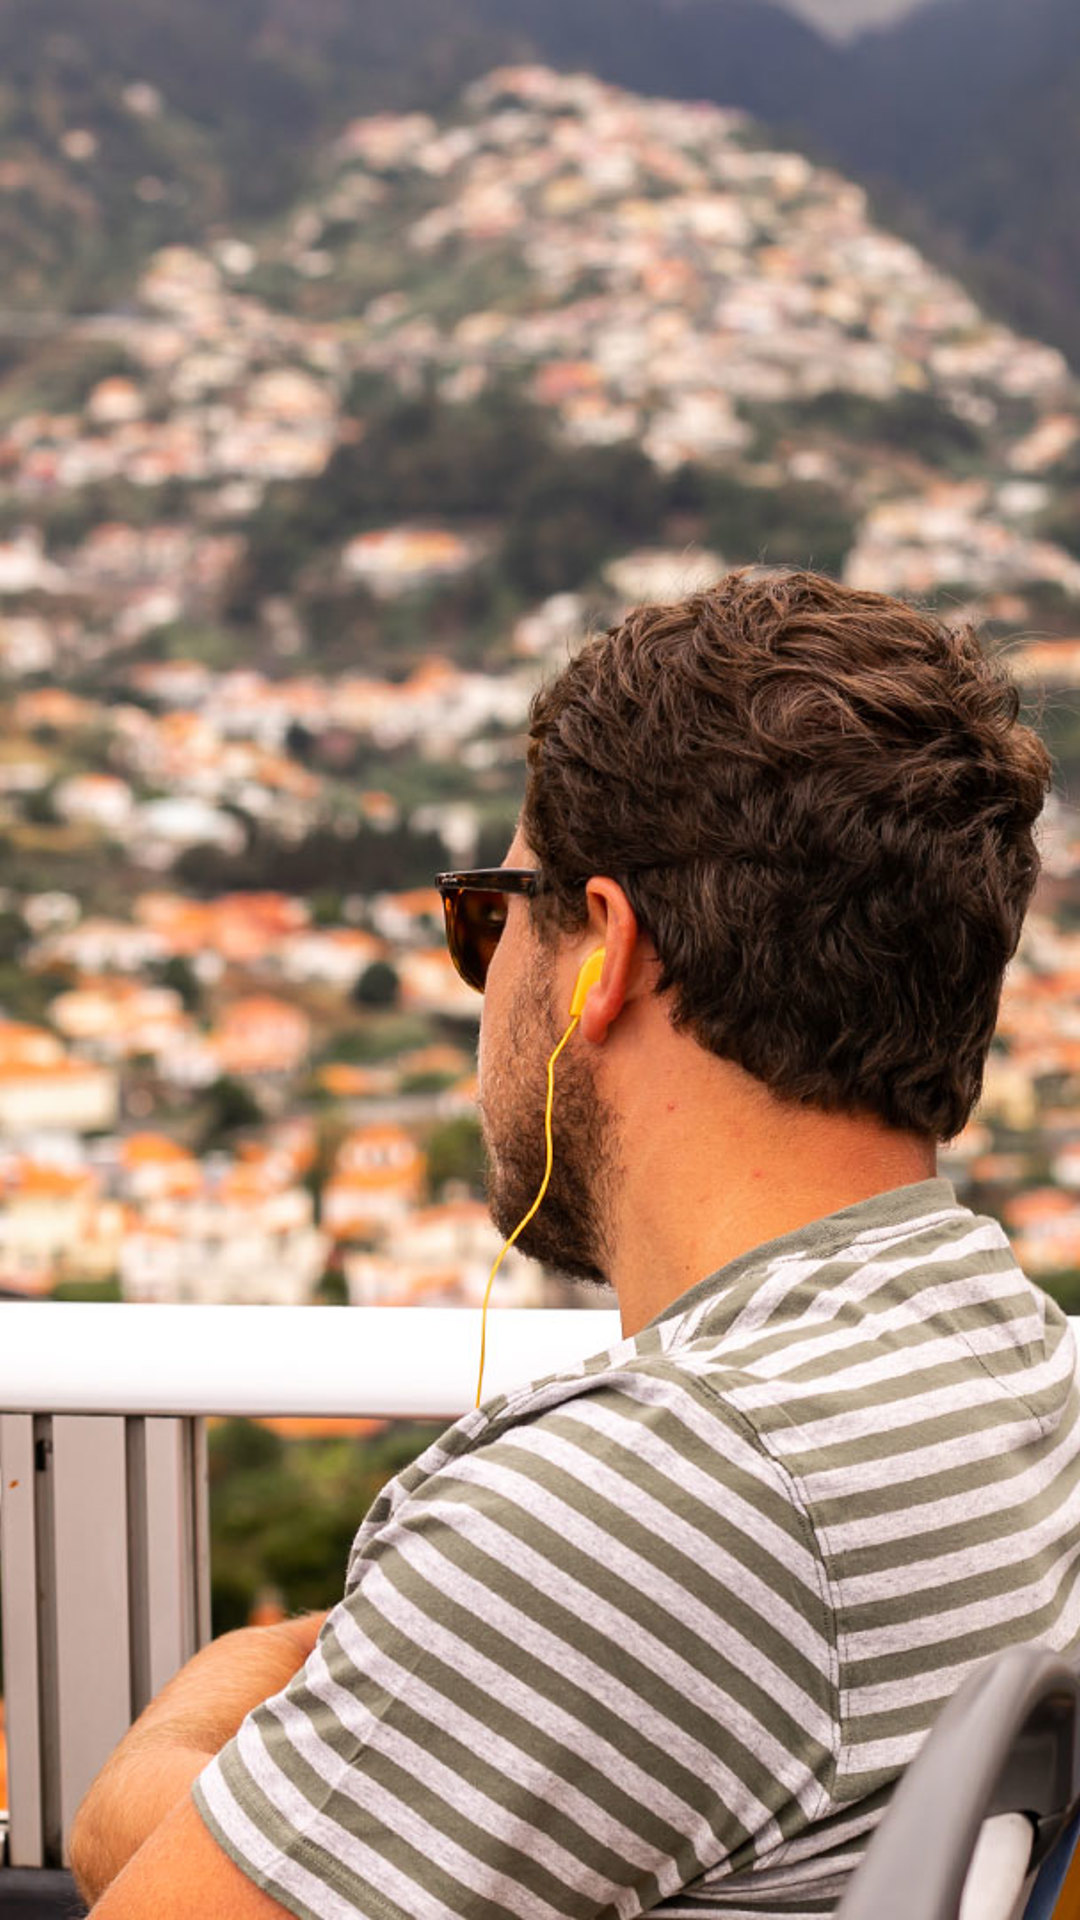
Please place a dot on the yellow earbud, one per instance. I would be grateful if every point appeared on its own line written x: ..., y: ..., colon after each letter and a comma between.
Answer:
x: 590, y: 973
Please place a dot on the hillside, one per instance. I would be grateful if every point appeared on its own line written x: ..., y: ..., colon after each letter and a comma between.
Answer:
x: 339, y: 483
x: 959, y: 115
x: 557, y: 319
x: 288, y: 536
x: 125, y: 124
x: 969, y: 108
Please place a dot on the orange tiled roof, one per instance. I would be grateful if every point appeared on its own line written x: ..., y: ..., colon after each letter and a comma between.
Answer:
x: 52, y: 707
x: 1043, y: 1203
x: 255, y: 1008
x: 295, y: 1427
x: 360, y: 1182
x: 433, y: 1059
x: 347, y: 1082
x: 152, y: 1149
x: 34, y: 1180
x: 418, y: 901
x: 16, y: 1070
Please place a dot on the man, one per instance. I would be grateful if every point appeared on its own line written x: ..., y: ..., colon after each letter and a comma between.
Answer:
x: 660, y: 1632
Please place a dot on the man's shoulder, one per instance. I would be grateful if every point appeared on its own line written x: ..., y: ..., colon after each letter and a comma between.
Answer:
x: 639, y: 1434
x: 875, y: 1271
x: 796, y: 1334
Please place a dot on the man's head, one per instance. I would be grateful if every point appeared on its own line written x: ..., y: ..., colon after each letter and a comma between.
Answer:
x: 820, y: 805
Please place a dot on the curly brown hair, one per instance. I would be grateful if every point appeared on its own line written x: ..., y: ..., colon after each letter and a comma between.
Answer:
x: 821, y: 804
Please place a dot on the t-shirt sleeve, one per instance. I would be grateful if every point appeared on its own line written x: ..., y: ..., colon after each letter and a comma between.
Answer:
x: 580, y: 1666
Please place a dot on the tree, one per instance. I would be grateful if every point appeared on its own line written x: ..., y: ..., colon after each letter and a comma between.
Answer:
x: 40, y: 808
x: 14, y: 934
x: 421, y: 456
x: 107, y: 1289
x: 455, y: 1151
x: 283, y: 1513
x: 378, y: 986
x: 367, y: 861
x: 232, y: 1106
x: 331, y: 1289
x: 579, y: 507
x: 299, y: 742
x: 179, y: 974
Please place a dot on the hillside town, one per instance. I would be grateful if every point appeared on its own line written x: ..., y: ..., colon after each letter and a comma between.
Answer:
x: 242, y: 731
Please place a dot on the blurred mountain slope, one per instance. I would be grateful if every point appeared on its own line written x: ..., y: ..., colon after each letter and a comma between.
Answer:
x: 961, y: 116
x: 126, y: 124
x: 969, y: 108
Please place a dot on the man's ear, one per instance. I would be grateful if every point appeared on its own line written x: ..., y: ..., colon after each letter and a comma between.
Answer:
x: 613, y: 926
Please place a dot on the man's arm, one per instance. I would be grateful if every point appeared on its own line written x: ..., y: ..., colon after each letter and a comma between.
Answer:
x: 151, y: 1772
x: 180, y: 1873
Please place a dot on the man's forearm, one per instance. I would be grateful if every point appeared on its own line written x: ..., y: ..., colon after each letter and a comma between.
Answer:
x: 190, y: 1720
x: 134, y: 1793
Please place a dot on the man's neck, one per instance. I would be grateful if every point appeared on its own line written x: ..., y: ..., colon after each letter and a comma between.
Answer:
x: 712, y: 1166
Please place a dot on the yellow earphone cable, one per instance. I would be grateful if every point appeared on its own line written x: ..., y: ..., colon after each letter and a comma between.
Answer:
x: 523, y: 1223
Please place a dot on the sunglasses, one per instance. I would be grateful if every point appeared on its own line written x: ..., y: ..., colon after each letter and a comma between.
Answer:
x: 475, y: 906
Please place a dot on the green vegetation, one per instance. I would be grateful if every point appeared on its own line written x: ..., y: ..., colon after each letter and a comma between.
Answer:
x: 1054, y: 713
x: 25, y: 995
x: 917, y: 422
x: 69, y: 517
x: 1062, y: 521
x: 380, y: 1036
x: 107, y: 1290
x: 59, y: 376
x: 331, y: 1289
x: 367, y: 861
x: 577, y: 509
x: 284, y: 1512
x: 800, y: 524
x: 1064, y: 1288
x: 180, y: 975
x: 417, y: 458
x: 562, y: 510
x: 455, y: 1151
x: 230, y: 1106
x: 14, y: 934
x: 377, y: 986
x: 213, y: 645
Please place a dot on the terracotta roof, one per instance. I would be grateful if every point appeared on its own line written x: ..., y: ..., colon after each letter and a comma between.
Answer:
x: 148, y: 1149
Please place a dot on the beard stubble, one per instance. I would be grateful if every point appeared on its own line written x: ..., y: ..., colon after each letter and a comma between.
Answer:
x: 570, y: 1232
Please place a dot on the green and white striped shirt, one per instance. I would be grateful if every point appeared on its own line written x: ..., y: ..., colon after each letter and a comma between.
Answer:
x: 660, y: 1632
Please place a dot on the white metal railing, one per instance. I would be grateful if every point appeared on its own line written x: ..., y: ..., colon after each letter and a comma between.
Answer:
x: 104, y: 1535
x: 408, y: 1362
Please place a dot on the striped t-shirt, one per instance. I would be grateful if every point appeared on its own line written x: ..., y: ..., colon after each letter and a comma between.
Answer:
x: 660, y: 1632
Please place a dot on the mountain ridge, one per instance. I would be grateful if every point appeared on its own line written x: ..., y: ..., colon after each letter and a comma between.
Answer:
x: 959, y: 116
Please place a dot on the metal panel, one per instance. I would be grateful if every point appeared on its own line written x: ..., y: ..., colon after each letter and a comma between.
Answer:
x: 48, y: 1678
x: 138, y: 1556
x: 93, y: 1666
x: 19, y: 1612
x: 200, y: 1507
x: 165, y: 1596
x: 104, y: 1585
